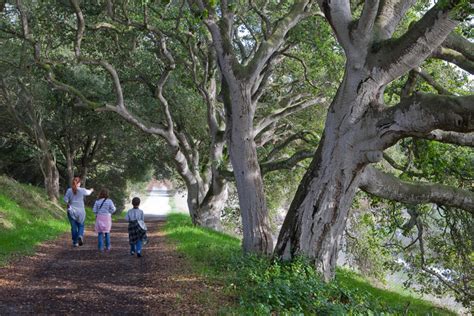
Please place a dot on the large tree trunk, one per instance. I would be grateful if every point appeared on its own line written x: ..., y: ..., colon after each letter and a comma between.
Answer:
x: 193, y: 199
x: 205, y: 202
x: 359, y: 126
x: 248, y: 178
x: 253, y: 208
x: 208, y: 214
x: 243, y: 83
x: 31, y: 124
x: 212, y: 204
x: 317, y: 216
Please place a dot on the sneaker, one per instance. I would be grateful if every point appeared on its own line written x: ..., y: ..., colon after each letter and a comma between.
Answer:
x: 81, y: 241
x: 132, y: 253
x: 107, y: 249
x: 139, y: 255
x: 75, y: 245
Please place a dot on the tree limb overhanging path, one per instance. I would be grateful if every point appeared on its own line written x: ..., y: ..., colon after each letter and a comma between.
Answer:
x: 60, y: 279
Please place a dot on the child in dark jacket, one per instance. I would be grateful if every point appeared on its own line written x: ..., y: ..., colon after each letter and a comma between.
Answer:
x: 136, y: 228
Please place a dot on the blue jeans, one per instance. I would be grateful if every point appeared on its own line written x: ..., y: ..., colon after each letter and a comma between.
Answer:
x: 101, y: 241
x: 77, y: 229
x: 137, y: 247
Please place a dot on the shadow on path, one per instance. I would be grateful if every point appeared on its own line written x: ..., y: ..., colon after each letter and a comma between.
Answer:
x: 60, y: 279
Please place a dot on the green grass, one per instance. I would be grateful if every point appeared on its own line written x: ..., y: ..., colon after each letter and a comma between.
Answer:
x: 263, y: 286
x: 391, y: 299
x: 27, y: 218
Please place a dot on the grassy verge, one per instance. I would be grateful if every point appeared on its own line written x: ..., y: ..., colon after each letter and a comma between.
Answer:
x: 27, y: 218
x: 389, y: 299
x: 264, y: 286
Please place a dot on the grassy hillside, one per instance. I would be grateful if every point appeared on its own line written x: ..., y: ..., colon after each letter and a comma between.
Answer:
x: 26, y: 218
x: 264, y: 286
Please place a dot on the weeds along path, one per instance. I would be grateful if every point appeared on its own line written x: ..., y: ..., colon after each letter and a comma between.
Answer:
x: 60, y: 279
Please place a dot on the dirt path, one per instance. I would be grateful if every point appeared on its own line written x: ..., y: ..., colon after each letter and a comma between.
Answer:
x: 60, y: 279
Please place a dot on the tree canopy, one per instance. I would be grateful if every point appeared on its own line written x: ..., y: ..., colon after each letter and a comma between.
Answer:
x: 372, y: 96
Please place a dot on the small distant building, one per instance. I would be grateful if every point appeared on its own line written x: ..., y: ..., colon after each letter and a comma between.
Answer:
x: 160, y: 188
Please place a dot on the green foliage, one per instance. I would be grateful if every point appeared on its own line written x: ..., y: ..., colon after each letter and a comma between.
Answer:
x: 264, y: 286
x: 399, y: 302
x: 442, y: 238
x: 438, y: 239
x: 116, y: 184
x: 279, y: 188
x: 17, y: 157
x: 364, y: 244
x: 459, y: 10
x: 316, y: 63
x: 443, y: 163
x: 104, y: 149
x: 269, y: 286
x: 448, y: 76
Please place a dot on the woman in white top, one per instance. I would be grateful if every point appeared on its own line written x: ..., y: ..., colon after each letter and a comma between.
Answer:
x: 76, y: 211
x: 103, y: 209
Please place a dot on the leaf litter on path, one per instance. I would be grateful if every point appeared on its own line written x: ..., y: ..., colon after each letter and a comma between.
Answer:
x: 60, y: 279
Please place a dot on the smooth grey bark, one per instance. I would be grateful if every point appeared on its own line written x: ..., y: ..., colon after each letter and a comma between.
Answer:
x: 457, y: 50
x: 359, y: 126
x: 205, y: 200
x: 212, y: 205
x: 242, y: 86
x: 387, y: 186
x: 204, y: 210
x: 464, y: 139
x: 247, y: 173
x: 214, y: 197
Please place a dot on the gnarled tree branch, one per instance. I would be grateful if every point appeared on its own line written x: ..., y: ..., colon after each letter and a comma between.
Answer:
x: 457, y: 50
x: 412, y: 48
x: 298, y: 12
x: 389, y: 187
x: 463, y: 139
x: 292, y: 105
x: 455, y: 57
x: 80, y: 27
x: 280, y: 146
x: 431, y: 81
x: 460, y: 44
x: 420, y: 114
x: 366, y: 21
x: 286, y: 163
x: 390, y: 13
x: 338, y: 14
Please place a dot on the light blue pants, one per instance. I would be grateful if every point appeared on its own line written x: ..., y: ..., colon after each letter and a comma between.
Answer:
x: 100, y: 243
x: 136, y: 247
